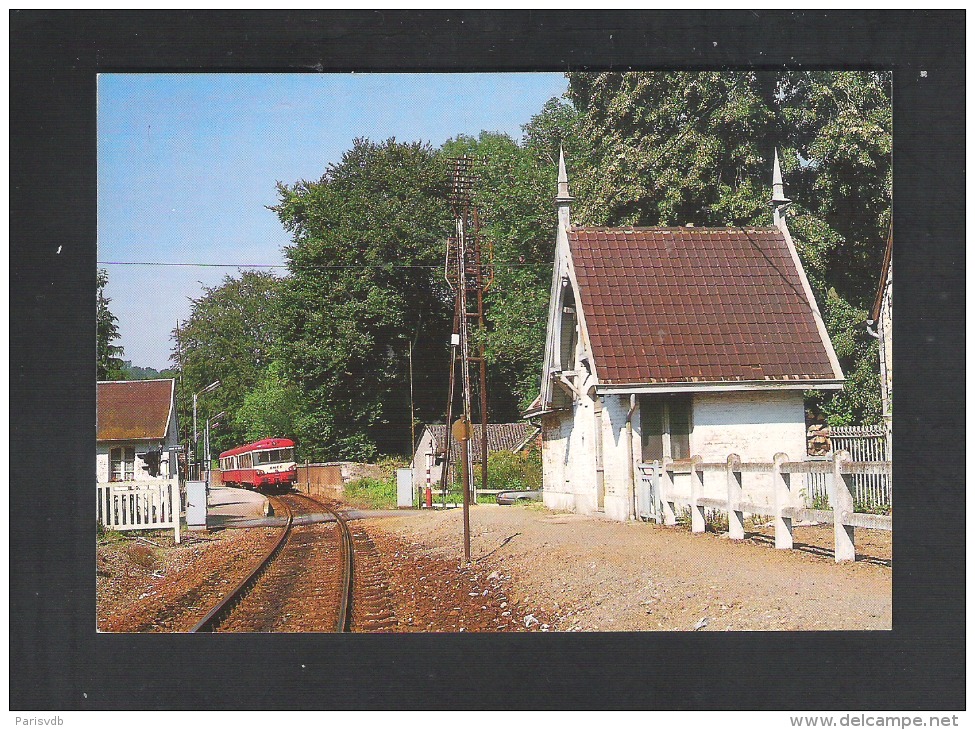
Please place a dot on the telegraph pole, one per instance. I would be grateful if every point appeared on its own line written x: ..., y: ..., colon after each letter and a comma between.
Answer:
x: 469, y: 274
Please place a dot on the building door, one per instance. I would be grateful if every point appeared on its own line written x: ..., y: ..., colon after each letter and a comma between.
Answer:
x: 665, y: 427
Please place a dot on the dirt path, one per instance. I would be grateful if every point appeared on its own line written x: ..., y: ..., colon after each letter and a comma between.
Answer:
x: 591, y: 574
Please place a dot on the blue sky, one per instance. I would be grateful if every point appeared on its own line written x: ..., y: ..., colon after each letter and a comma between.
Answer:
x: 188, y: 162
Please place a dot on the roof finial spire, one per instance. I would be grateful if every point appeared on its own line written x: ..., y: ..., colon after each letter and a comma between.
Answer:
x: 779, y: 201
x: 563, y: 178
x: 563, y: 199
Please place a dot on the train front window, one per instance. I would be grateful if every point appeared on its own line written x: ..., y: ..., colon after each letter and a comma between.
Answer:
x: 274, y: 456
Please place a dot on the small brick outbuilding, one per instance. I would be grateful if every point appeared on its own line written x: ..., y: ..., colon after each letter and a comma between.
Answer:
x: 433, y: 440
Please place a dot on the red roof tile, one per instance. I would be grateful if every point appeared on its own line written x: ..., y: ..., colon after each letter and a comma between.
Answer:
x: 667, y: 305
x: 133, y: 410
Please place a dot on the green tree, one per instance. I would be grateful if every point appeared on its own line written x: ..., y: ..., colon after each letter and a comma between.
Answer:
x: 230, y: 336
x: 666, y: 148
x: 269, y: 408
x: 108, y: 363
x: 840, y: 175
x: 366, y: 281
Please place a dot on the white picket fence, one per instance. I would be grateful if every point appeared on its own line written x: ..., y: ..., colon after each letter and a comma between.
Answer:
x: 864, y: 443
x: 139, y: 505
x: 658, y: 500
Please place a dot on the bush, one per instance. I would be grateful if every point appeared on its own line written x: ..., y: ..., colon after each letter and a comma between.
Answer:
x: 373, y: 493
x: 509, y: 471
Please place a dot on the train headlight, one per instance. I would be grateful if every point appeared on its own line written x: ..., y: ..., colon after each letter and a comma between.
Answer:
x: 259, y: 472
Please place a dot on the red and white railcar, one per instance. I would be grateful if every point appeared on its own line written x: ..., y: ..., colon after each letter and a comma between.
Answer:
x: 265, y: 463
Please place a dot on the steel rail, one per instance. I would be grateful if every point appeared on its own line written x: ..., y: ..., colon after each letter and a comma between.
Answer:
x: 216, y: 614
x: 348, y: 566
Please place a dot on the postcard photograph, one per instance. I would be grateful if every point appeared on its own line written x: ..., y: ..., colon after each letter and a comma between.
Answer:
x: 494, y: 352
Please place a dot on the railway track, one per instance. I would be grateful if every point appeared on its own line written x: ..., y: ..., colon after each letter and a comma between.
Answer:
x: 317, y: 576
x: 216, y: 614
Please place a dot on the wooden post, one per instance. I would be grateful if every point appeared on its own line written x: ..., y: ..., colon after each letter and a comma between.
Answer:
x: 666, y: 492
x: 461, y: 431
x: 842, y: 504
x: 736, y: 518
x: 781, y: 483
x: 697, y: 486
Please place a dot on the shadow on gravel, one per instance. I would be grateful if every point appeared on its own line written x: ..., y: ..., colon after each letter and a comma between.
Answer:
x: 503, y: 543
x: 816, y: 549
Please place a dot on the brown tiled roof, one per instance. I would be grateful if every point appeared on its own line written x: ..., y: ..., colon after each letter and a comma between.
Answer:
x: 501, y: 437
x: 133, y: 410
x: 667, y: 305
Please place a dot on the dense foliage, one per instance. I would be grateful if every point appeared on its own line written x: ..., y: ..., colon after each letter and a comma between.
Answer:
x: 508, y: 470
x: 514, y: 199
x: 108, y: 363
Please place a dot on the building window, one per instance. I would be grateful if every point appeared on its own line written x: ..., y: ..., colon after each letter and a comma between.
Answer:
x: 665, y: 424
x: 123, y: 463
x: 569, y: 332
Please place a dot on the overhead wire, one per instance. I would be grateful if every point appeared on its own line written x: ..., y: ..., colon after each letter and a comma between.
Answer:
x: 511, y: 264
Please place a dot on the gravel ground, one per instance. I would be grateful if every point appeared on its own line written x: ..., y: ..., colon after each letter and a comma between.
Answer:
x: 142, y: 586
x: 577, y: 573
x: 438, y: 593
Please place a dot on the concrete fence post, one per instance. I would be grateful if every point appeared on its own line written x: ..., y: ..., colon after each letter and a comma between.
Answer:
x: 174, y: 503
x: 697, y: 487
x: 667, y: 494
x: 658, y: 485
x: 736, y: 518
x: 781, y: 486
x: 842, y: 502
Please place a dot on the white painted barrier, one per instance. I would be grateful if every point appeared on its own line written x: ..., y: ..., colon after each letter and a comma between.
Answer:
x: 136, y: 505
x: 657, y: 480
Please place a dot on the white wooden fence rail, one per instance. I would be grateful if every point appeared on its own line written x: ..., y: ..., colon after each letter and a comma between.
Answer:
x: 658, y: 500
x: 139, y: 505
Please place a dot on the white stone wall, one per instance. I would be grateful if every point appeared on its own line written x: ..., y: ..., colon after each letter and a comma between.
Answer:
x: 101, y: 463
x: 617, y: 454
x: 756, y: 426
x: 568, y: 461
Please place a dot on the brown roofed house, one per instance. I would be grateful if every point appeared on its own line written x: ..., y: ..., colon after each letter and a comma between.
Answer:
x: 667, y: 343
x: 136, y: 430
x: 432, y: 444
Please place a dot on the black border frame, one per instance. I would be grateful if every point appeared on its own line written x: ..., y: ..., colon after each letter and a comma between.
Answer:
x: 57, y: 661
